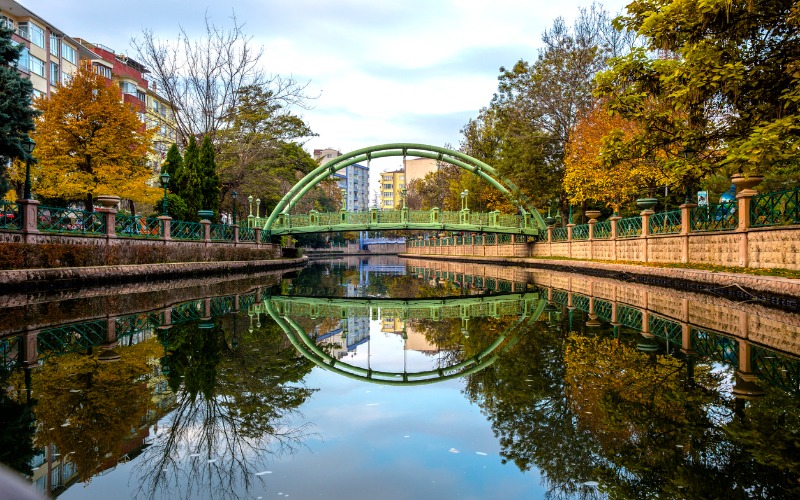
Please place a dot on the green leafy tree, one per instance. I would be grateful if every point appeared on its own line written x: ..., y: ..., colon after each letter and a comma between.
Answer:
x: 209, y: 180
x: 172, y: 165
x: 724, y: 84
x: 16, y: 113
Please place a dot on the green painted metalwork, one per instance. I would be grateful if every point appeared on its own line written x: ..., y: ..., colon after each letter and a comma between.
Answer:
x: 10, y: 348
x: 629, y: 227
x: 775, y: 209
x: 602, y: 230
x: 580, y: 302
x: 182, y: 230
x: 629, y: 316
x: 129, y: 226
x: 65, y: 339
x: 671, y: 331
x: 560, y: 234
x: 580, y: 232
x: 666, y: 222
x: 715, y: 345
x: 221, y: 232
x: 778, y: 369
x: 718, y: 217
x: 306, y: 346
x: 560, y: 297
x: 247, y: 234
x: 10, y: 217
x: 479, y: 168
x: 602, y: 308
x: 187, y: 311
x: 221, y: 305
x: 69, y: 221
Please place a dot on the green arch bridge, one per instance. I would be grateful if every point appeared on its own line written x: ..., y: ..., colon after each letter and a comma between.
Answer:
x: 527, y: 221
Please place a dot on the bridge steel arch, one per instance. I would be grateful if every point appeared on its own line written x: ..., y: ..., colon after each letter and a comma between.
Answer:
x: 477, y: 167
x: 308, y: 348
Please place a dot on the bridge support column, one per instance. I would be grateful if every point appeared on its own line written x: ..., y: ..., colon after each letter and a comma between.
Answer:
x: 166, y: 227
x: 645, y: 232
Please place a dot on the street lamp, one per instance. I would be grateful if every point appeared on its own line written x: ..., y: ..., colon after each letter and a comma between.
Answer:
x: 403, y: 193
x: 164, y: 183
x: 27, y: 145
x: 234, y: 195
x: 464, y: 199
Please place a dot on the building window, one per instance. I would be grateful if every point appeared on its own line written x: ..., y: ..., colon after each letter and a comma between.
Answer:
x: 141, y: 95
x: 24, y: 62
x: 127, y: 88
x: 68, y: 53
x: 387, y: 203
x: 33, y: 33
x: 6, y: 22
x: 54, y: 73
x: 37, y: 65
x: 103, y: 71
x: 65, y: 77
x: 54, y: 45
x: 37, y: 93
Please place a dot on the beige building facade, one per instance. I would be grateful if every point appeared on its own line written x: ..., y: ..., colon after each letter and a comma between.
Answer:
x: 49, y: 57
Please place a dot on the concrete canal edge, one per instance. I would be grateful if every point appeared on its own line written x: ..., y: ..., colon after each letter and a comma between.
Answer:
x: 779, y: 291
x: 53, y: 278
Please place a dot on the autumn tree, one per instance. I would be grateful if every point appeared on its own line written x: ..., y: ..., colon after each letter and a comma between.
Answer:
x: 726, y: 75
x: 89, y: 142
x: 592, y: 172
x: 16, y: 113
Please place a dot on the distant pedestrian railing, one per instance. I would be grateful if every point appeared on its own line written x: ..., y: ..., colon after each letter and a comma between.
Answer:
x: 666, y: 222
x: 191, y: 231
x: 131, y: 226
x: 69, y: 220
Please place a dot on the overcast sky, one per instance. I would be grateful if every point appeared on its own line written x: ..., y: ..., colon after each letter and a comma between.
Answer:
x: 401, y: 71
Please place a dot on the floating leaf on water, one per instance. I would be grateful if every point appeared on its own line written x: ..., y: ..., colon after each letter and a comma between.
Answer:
x: 453, y: 450
x: 406, y: 436
x: 591, y: 483
x: 194, y: 455
x: 263, y: 472
x: 373, y: 404
x: 480, y: 453
x: 211, y: 461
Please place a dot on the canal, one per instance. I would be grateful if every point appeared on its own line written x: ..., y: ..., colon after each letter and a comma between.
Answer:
x: 381, y: 377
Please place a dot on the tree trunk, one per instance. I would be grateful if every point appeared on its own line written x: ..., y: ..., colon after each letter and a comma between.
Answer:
x: 89, y: 203
x: 132, y: 208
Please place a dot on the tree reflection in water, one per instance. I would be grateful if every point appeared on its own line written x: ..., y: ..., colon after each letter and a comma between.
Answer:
x: 598, y: 417
x: 235, y: 391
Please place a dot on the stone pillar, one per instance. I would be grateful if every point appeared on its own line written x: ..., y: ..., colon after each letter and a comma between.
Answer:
x: 236, y: 234
x: 569, y: 239
x: 645, y: 232
x: 110, y: 218
x: 744, y: 199
x: 166, y: 224
x: 257, y: 233
x: 27, y: 209
x: 686, y: 229
x: 206, y: 231
x: 29, y: 355
x: 108, y: 353
x: 614, y: 232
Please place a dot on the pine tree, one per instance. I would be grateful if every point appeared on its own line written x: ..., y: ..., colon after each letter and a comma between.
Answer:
x: 209, y: 179
x: 16, y: 113
x: 187, y: 180
x: 172, y: 165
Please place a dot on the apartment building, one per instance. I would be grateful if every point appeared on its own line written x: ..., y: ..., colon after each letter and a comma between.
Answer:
x: 49, y: 57
x: 392, y: 184
x: 354, y: 180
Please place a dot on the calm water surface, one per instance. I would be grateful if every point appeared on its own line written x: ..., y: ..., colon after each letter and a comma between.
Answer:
x: 387, y: 378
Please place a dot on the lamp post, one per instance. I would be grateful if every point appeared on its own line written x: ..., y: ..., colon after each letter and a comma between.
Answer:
x: 27, y: 145
x: 464, y: 199
x: 234, y: 195
x: 403, y: 194
x: 164, y: 183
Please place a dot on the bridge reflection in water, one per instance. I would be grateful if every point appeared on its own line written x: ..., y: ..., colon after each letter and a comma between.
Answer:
x: 523, y: 307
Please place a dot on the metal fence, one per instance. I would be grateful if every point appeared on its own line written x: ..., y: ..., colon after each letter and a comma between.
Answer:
x: 666, y: 222
x: 775, y: 209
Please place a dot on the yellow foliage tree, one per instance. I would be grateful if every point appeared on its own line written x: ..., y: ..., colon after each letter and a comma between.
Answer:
x: 89, y: 142
x: 594, y: 172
